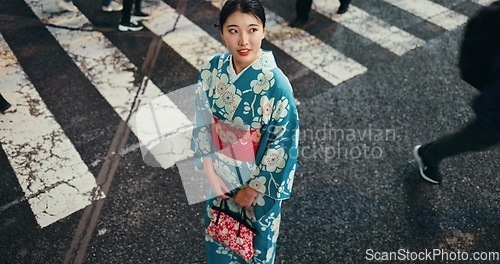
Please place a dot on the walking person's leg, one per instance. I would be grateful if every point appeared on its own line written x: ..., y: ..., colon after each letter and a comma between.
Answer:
x: 344, y: 5
x: 138, y: 15
x: 302, y: 9
x: 472, y: 137
x: 125, y: 23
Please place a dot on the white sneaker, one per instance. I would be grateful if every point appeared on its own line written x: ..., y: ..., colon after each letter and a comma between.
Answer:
x: 68, y: 6
x: 139, y: 16
x: 113, y: 6
x: 131, y: 26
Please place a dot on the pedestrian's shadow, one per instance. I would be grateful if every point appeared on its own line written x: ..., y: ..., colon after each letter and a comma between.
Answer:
x: 428, y: 228
x: 421, y: 198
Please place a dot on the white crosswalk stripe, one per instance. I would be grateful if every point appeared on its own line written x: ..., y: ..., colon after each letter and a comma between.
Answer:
x: 97, y: 59
x: 390, y: 37
x: 189, y: 40
x: 54, y: 179
x: 158, y: 120
x: 483, y: 2
x: 432, y: 12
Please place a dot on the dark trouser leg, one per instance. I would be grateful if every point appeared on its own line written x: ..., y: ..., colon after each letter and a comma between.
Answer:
x: 126, y: 11
x: 137, y: 6
x: 344, y: 5
x: 303, y: 8
x: 472, y: 137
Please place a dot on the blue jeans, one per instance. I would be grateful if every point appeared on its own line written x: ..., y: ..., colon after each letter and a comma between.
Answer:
x: 106, y: 2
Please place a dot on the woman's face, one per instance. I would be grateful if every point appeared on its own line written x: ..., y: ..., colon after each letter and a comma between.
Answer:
x: 243, y: 35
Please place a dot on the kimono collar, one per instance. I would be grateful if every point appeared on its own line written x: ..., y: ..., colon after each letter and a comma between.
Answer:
x: 265, y: 62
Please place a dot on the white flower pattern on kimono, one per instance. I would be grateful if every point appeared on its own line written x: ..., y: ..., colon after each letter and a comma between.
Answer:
x: 221, y: 85
x: 263, y: 62
x: 259, y: 200
x: 246, y: 108
x: 222, y: 251
x: 204, y: 142
x: 281, y: 109
x: 280, y: 191
x: 256, y: 123
x: 274, y: 160
x: 209, y: 239
x: 229, y: 100
x: 270, y: 253
x: 224, y: 171
x: 290, y: 180
x: 206, y: 64
x: 266, y: 108
x: 259, y: 184
x: 275, y: 227
x: 207, y: 78
x: 226, y: 136
x: 239, y: 124
x: 263, y: 82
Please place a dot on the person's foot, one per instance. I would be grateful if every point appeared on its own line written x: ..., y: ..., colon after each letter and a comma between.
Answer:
x: 130, y: 26
x: 343, y: 8
x: 113, y: 6
x: 68, y: 6
x: 298, y: 22
x: 139, y: 16
x: 429, y: 173
x: 6, y: 109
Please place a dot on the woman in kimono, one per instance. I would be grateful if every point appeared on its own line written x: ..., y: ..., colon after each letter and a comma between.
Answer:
x: 247, y: 131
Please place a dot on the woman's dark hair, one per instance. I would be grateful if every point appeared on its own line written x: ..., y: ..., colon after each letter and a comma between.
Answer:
x: 253, y: 7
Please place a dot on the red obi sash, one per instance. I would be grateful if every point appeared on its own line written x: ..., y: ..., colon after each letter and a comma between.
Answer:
x: 235, y: 143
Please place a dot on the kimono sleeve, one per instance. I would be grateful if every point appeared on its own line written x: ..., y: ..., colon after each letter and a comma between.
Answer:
x: 201, y: 142
x: 276, y: 159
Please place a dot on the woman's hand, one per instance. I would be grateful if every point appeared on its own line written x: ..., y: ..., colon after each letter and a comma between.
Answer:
x: 217, y: 184
x: 245, y: 197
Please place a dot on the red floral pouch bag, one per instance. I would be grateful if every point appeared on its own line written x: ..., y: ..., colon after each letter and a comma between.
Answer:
x: 232, y: 230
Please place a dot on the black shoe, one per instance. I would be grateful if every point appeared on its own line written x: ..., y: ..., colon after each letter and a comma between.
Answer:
x: 429, y: 173
x: 4, y: 108
x: 139, y: 16
x: 130, y: 26
x: 343, y: 8
x: 298, y: 22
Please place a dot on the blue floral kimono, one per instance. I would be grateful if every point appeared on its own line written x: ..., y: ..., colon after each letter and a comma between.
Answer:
x: 258, y: 99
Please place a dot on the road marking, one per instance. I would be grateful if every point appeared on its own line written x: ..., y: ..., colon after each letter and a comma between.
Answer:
x: 390, y: 37
x: 484, y: 2
x: 190, y: 41
x: 313, y: 53
x: 432, y: 12
x: 110, y: 72
x: 55, y: 180
x: 88, y: 222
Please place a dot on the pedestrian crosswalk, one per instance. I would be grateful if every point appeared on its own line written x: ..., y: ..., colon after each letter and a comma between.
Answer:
x: 390, y: 37
x: 56, y: 181
x: 432, y: 12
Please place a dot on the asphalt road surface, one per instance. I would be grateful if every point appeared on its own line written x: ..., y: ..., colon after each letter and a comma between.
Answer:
x: 371, y: 83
